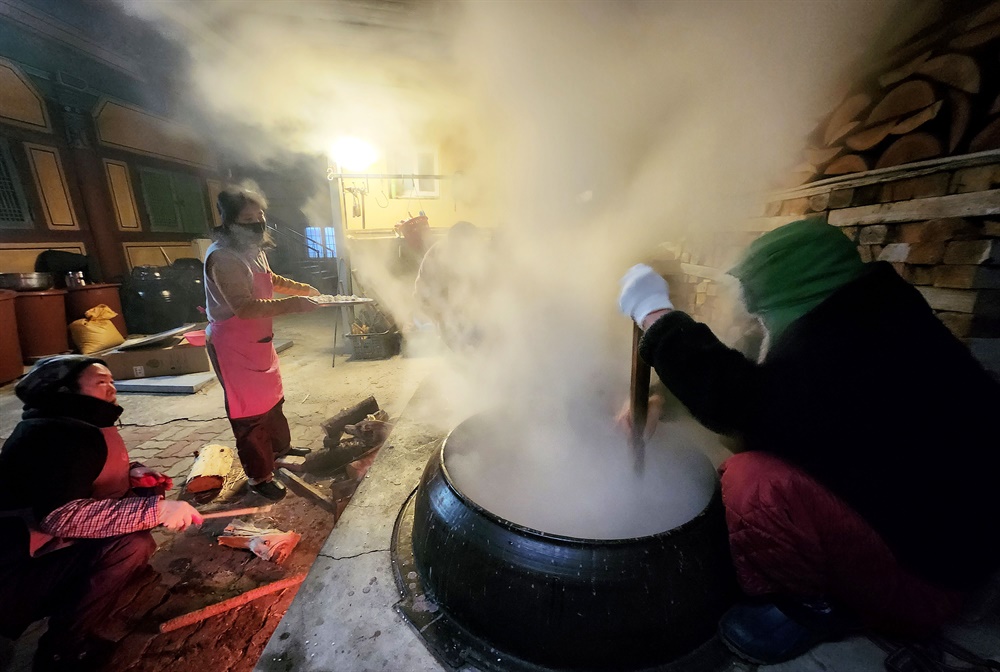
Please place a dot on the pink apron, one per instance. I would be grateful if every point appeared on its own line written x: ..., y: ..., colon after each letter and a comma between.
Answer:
x: 247, y: 361
x: 111, y: 483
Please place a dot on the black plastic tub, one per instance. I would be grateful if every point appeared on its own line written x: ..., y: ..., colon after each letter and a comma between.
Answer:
x: 562, y: 602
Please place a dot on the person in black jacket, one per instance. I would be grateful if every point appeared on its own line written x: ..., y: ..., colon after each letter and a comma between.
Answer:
x: 74, y: 512
x: 867, y: 492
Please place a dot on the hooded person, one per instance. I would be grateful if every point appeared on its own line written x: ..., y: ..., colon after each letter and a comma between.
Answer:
x: 864, y: 497
x: 239, y: 300
x: 75, y: 512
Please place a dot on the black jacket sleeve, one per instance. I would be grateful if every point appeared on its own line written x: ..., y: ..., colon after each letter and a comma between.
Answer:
x: 45, y: 464
x: 716, y: 383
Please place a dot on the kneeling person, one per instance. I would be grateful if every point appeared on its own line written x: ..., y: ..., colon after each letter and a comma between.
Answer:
x: 74, y: 515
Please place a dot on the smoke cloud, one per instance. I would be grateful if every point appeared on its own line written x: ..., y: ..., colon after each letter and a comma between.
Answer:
x: 590, y: 132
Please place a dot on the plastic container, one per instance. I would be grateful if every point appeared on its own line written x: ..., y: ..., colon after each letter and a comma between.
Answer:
x: 189, y: 277
x: 41, y: 324
x: 374, y: 346
x: 196, y: 337
x: 11, y: 365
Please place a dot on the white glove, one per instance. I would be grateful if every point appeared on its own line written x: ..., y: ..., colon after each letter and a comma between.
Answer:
x: 177, y: 515
x: 643, y: 291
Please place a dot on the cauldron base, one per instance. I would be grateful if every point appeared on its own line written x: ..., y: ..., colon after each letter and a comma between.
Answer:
x: 455, y: 647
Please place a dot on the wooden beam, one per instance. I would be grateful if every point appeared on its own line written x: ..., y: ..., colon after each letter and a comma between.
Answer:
x: 954, y: 300
x: 975, y: 204
x: 305, y: 489
x: 232, y: 603
x: 880, y: 175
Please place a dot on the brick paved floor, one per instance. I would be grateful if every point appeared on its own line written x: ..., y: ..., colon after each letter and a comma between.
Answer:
x: 190, y: 570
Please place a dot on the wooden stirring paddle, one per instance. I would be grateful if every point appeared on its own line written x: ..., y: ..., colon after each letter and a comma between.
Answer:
x: 638, y: 401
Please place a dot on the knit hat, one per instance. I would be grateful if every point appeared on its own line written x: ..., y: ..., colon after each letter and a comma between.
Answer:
x: 50, y: 376
x: 789, y: 271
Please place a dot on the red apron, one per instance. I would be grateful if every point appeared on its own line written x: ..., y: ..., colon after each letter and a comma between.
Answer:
x: 111, y: 483
x: 248, y: 364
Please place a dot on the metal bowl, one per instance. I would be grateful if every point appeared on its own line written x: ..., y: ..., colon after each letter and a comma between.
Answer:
x: 27, y: 282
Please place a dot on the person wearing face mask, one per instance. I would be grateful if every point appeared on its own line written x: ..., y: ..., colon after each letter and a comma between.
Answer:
x: 74, y: 512
x: 865, y: 495
x: 239, y: 296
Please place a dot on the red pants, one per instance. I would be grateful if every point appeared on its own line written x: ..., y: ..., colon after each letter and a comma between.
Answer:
x: 75, y: 586
x: 259, y: 438
x: 791, y: 536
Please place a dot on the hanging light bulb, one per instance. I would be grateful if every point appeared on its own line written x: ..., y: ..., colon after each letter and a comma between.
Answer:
x: 353, y: 154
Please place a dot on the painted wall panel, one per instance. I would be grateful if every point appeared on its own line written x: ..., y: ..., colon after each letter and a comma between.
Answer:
x: 122, y: 195
x: 20, y: 257
x: 20, y: 104
x: 46, y: 168
x: 132, y: 129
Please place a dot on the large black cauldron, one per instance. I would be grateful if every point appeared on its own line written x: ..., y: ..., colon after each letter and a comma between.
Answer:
x: 560, y: 602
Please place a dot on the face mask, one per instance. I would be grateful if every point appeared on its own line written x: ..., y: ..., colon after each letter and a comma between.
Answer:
x: 253, y: 227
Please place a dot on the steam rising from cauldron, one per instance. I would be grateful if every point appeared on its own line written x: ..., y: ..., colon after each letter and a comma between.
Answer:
x: 589, y: 133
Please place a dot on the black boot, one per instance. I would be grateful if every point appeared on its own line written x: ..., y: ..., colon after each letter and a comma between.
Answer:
x: 272, y: 490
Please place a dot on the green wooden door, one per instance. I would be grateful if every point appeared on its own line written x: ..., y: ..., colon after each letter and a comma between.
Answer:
x: 189, y: 195
x: 158, y: 194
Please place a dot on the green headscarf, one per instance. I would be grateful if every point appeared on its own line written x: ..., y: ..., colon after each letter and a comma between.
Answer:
x: 789, y: 271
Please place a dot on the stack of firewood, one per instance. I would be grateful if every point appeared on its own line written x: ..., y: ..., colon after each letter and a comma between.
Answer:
x: 939, y: 101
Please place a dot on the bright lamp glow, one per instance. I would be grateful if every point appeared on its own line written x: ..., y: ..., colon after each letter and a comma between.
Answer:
x: 353, y: 154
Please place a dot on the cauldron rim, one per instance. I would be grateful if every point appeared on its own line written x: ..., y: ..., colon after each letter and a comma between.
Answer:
x: 552, y: 536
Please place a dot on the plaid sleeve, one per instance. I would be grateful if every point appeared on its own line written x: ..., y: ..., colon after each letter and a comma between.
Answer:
x: 100, y: 518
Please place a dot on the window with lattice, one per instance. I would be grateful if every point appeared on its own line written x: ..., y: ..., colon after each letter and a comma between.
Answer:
x: 175, y: 202
x: 321, y: 242
x: 14, y: 212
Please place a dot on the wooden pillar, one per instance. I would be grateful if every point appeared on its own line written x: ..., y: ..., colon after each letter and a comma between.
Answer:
x: 92, y: 184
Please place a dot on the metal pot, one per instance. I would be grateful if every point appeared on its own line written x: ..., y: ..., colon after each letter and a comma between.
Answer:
x: 27, y: 282
x: 563, y: 602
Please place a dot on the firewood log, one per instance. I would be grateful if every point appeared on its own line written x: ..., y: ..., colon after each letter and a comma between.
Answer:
x: 960, y: 106
x: 210, y: 469
x: 995, y: 107
x: 988, y: 138
x: 977, y: 36
x: 334, y: 426
x: 955, y: 70
x: 844, y: 118
x: 902, y: 100
x: 818, y: 156
x: 901, y: 73
x: 838, y: 134
x: 849, y: 163
x: 870, y: 137
x: 914, y: 121
x: 987, y: 15
x: 910, y: 148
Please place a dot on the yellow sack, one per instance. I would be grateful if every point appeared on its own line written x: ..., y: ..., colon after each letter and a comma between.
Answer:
x: 96, y: 331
